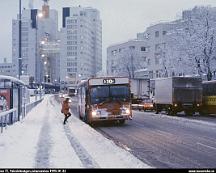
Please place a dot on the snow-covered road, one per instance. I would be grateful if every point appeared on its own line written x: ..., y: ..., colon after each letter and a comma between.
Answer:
x: 42, y: 141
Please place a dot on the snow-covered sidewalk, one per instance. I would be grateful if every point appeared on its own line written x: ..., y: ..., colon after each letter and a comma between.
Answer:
x: 42, y: 141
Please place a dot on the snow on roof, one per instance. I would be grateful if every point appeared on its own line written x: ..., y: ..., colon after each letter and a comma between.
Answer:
x: 13, y: 79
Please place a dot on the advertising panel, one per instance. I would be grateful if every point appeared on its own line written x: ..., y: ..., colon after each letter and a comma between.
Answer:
x: 4, y: 99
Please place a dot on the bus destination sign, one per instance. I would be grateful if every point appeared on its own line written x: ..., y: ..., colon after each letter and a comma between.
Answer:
x: 109, y: 81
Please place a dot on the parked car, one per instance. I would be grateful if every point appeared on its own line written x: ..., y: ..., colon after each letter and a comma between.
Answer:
x: 146, y: 104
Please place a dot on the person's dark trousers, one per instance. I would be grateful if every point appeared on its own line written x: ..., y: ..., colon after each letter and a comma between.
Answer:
x: 66, y: 117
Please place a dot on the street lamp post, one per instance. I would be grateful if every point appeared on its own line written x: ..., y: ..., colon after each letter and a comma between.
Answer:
x: 20, y: 61
x: 20, y: 40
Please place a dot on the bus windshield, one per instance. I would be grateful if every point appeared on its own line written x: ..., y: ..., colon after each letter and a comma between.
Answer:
x: 100, y: 94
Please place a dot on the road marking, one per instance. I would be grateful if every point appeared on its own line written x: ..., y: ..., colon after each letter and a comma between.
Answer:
x: 206, y: 146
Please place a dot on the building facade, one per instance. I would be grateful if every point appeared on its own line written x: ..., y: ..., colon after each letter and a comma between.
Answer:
x: 39, y: 28
x: 151, y: 48
x: 81, y: 45
x: 6, y: 67
x: 126, y: 58
x: 156, y: 38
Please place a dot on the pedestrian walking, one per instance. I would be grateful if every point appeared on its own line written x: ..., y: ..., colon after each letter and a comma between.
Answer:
x: 66, y: 110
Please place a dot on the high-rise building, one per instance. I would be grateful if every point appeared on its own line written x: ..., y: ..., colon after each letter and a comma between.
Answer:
x: 81, y: 45
x: 39, y: 44
x: 28, y: 43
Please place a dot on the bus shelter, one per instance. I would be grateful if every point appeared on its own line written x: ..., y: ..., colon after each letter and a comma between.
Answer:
x: 12, y: 96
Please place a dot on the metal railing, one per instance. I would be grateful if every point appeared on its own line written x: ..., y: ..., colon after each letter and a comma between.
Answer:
x: 11, y: 116
x: 8, y: 118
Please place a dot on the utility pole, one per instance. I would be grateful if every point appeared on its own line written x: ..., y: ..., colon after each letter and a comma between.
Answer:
x: 20, y: 40
x: 20, y: 60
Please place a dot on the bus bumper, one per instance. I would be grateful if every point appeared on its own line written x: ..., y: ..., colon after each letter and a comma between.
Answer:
x: 110, y: 118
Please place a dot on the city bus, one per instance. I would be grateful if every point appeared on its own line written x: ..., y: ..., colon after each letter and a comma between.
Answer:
x: 104, y: 99
x: 209, y: 97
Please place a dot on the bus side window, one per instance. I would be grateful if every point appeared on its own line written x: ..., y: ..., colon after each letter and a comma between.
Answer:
x: 83, y: 94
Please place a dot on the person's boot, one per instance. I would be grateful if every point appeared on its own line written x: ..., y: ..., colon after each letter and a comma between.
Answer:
x: 65, y: 120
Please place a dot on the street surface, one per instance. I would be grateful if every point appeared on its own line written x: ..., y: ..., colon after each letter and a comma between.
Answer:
x: 163, y: 141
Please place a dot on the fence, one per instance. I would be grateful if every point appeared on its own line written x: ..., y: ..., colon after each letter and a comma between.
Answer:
x: 11, y: 116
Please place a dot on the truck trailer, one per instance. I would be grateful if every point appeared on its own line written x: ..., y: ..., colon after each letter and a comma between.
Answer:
x: 177, y: 94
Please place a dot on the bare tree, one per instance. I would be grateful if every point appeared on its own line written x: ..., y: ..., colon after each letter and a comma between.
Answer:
x: 130, y: 62
x: 194, y: 42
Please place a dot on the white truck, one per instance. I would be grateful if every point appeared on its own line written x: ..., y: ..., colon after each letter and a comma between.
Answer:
x: 140, y: 87
x: 176, y: 94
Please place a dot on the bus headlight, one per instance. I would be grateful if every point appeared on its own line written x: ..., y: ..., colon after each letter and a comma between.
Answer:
x: 125, y: 111
x: 96, y: 113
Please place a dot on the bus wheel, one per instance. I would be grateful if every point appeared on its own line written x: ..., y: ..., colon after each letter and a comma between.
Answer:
x: 188, y: 112
x: 80, y: 117
x: 171, y: 112
x: 121, y: 122
x: 85, y: 119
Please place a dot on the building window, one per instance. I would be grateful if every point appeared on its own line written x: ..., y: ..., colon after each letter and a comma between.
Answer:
x: 143, y: 49
x: 71, y: 59
x: 72, y: 37
x: 132, y: 47
x: 72, y: 43
x: 71, y: 69
x: 72, y: 48
x: 144, y: 58
x: 164, y: 32
x: 157, y: 34
x: 71, y: 21
x: 157, y: 74
x: 72, y: 31
x: 157, y: 47
x: 149, y: 62
x: 81, y: 13
x: 71, y: 26
x: 71, y: 64
x: 71, y: 53
x: 151, y: 74
x: 159, y: 58
x: 114, y: 52
x: 164, y: 45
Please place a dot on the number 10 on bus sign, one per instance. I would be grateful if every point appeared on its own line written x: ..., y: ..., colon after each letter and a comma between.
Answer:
x: 109, y: 81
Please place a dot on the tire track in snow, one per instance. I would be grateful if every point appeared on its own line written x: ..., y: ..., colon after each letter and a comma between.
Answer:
x: 84, y: 156
x: 44, y: 144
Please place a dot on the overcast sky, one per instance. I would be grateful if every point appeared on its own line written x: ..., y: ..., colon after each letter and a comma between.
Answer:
x: 121, y: 19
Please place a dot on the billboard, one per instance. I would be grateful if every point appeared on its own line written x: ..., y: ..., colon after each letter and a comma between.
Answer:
x: 4, y: 99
